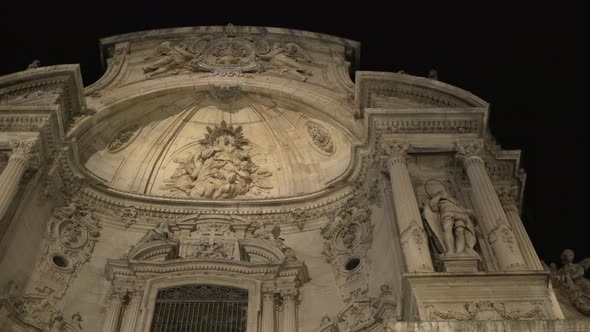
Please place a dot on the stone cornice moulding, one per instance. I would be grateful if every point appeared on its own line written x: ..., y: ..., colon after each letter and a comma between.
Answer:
x: 64, y: 81
x: 418, y: 89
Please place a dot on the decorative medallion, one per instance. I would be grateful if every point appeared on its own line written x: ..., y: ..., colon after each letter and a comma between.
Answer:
x: 123, y: 138
x: 221, y: 168
x: 320, y: 138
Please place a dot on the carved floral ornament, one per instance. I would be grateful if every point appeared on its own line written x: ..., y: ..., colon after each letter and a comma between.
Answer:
x: 228, y: 56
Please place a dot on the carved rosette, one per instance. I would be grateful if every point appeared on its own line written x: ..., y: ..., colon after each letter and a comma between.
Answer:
x: 320, y: 138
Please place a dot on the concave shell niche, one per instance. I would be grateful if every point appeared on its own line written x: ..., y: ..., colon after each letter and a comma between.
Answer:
x: 195, y: 146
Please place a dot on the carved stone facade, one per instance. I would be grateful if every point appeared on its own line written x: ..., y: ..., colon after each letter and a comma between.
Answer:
x: 246, y: 158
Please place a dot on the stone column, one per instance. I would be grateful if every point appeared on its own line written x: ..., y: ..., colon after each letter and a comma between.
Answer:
x: 409, y: 221
x: 491, y: 216
x: 508, y: 196
x: 22, y: 154
x: 289, y: 310
x: 132, y: 311
x: 113, y: 313
x: 268, y: 310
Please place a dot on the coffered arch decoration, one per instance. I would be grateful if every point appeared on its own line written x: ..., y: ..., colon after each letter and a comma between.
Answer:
x: 204, y: 250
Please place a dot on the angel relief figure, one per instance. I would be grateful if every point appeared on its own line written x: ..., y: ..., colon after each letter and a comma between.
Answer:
x: 450, y: 224
x: 570, y: 279
x: 223, y: 167
x: 287, y: 59
x: 167, y: 58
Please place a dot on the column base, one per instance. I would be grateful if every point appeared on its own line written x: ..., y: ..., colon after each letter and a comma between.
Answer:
x: 452, y: 263
x: 454, y: 296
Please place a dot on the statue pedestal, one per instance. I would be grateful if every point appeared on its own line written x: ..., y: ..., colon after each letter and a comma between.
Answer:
x: 454, y: 296
x: 459, y: 263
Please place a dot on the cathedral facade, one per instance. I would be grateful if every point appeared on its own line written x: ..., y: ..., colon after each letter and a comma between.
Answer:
x: 251, y: 179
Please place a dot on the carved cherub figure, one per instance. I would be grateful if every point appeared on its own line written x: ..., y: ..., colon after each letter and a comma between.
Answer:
x: 160, y: 232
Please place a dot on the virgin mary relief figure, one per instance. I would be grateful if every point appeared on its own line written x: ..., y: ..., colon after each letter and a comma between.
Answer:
x: 222, y: 168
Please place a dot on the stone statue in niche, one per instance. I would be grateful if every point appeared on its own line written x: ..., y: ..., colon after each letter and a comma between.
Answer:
x: 569, y: 279
x: 222, y: 168
x: 450, y: 222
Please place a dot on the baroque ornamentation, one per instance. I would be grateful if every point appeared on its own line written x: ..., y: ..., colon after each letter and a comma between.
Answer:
x: 413, y: 233
x: 225, y: 93
x: 502, y: 232
x: 320, y: 138
x: 38, y: 314
x: 486, y: 310
x: 347, y: 239
x: 228, y: 55
x: 570, y: 282
x: 70, y: 238
x: 417, y: 126
x: 123, y: 138
x: 221, y: 168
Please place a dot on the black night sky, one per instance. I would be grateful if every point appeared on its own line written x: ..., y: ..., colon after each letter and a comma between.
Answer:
x: 531, y: 64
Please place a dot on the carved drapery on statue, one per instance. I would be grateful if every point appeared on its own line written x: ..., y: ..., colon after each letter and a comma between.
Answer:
x: 570, y: 283
x: 221, y: 168
x: 449, y: 223
x: 228, y: 56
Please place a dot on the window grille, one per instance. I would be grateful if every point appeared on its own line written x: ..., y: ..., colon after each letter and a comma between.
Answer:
x: 200, y: 308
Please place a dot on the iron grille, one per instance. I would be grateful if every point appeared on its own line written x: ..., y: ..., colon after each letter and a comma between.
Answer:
x: 200, y: 308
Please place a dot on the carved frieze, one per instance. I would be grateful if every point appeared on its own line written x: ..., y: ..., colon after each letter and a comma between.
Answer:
x: 486, y: 310
x: 229, y: 55
x: 37, y: 314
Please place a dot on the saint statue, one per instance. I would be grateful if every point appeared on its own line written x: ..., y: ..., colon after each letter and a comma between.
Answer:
x: 451, y: 224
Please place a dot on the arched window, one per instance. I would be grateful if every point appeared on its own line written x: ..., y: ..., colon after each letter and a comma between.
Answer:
x: 200, y: 308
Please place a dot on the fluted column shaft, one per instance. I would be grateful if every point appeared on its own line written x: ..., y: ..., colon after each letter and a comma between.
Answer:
x: 132, y: 311
x: 22, y: 153
x: 289, y: 310
x: 492, y: 218
x: 409, y: 222
x: 268, y: 311
x: 113, y: 313
x: 522, y: 238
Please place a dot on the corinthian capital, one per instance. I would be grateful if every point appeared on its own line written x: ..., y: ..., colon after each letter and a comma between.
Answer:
x: 507, y: 194
x: 395, y: 152
x: 468, y: 149
x: 24, y: 150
